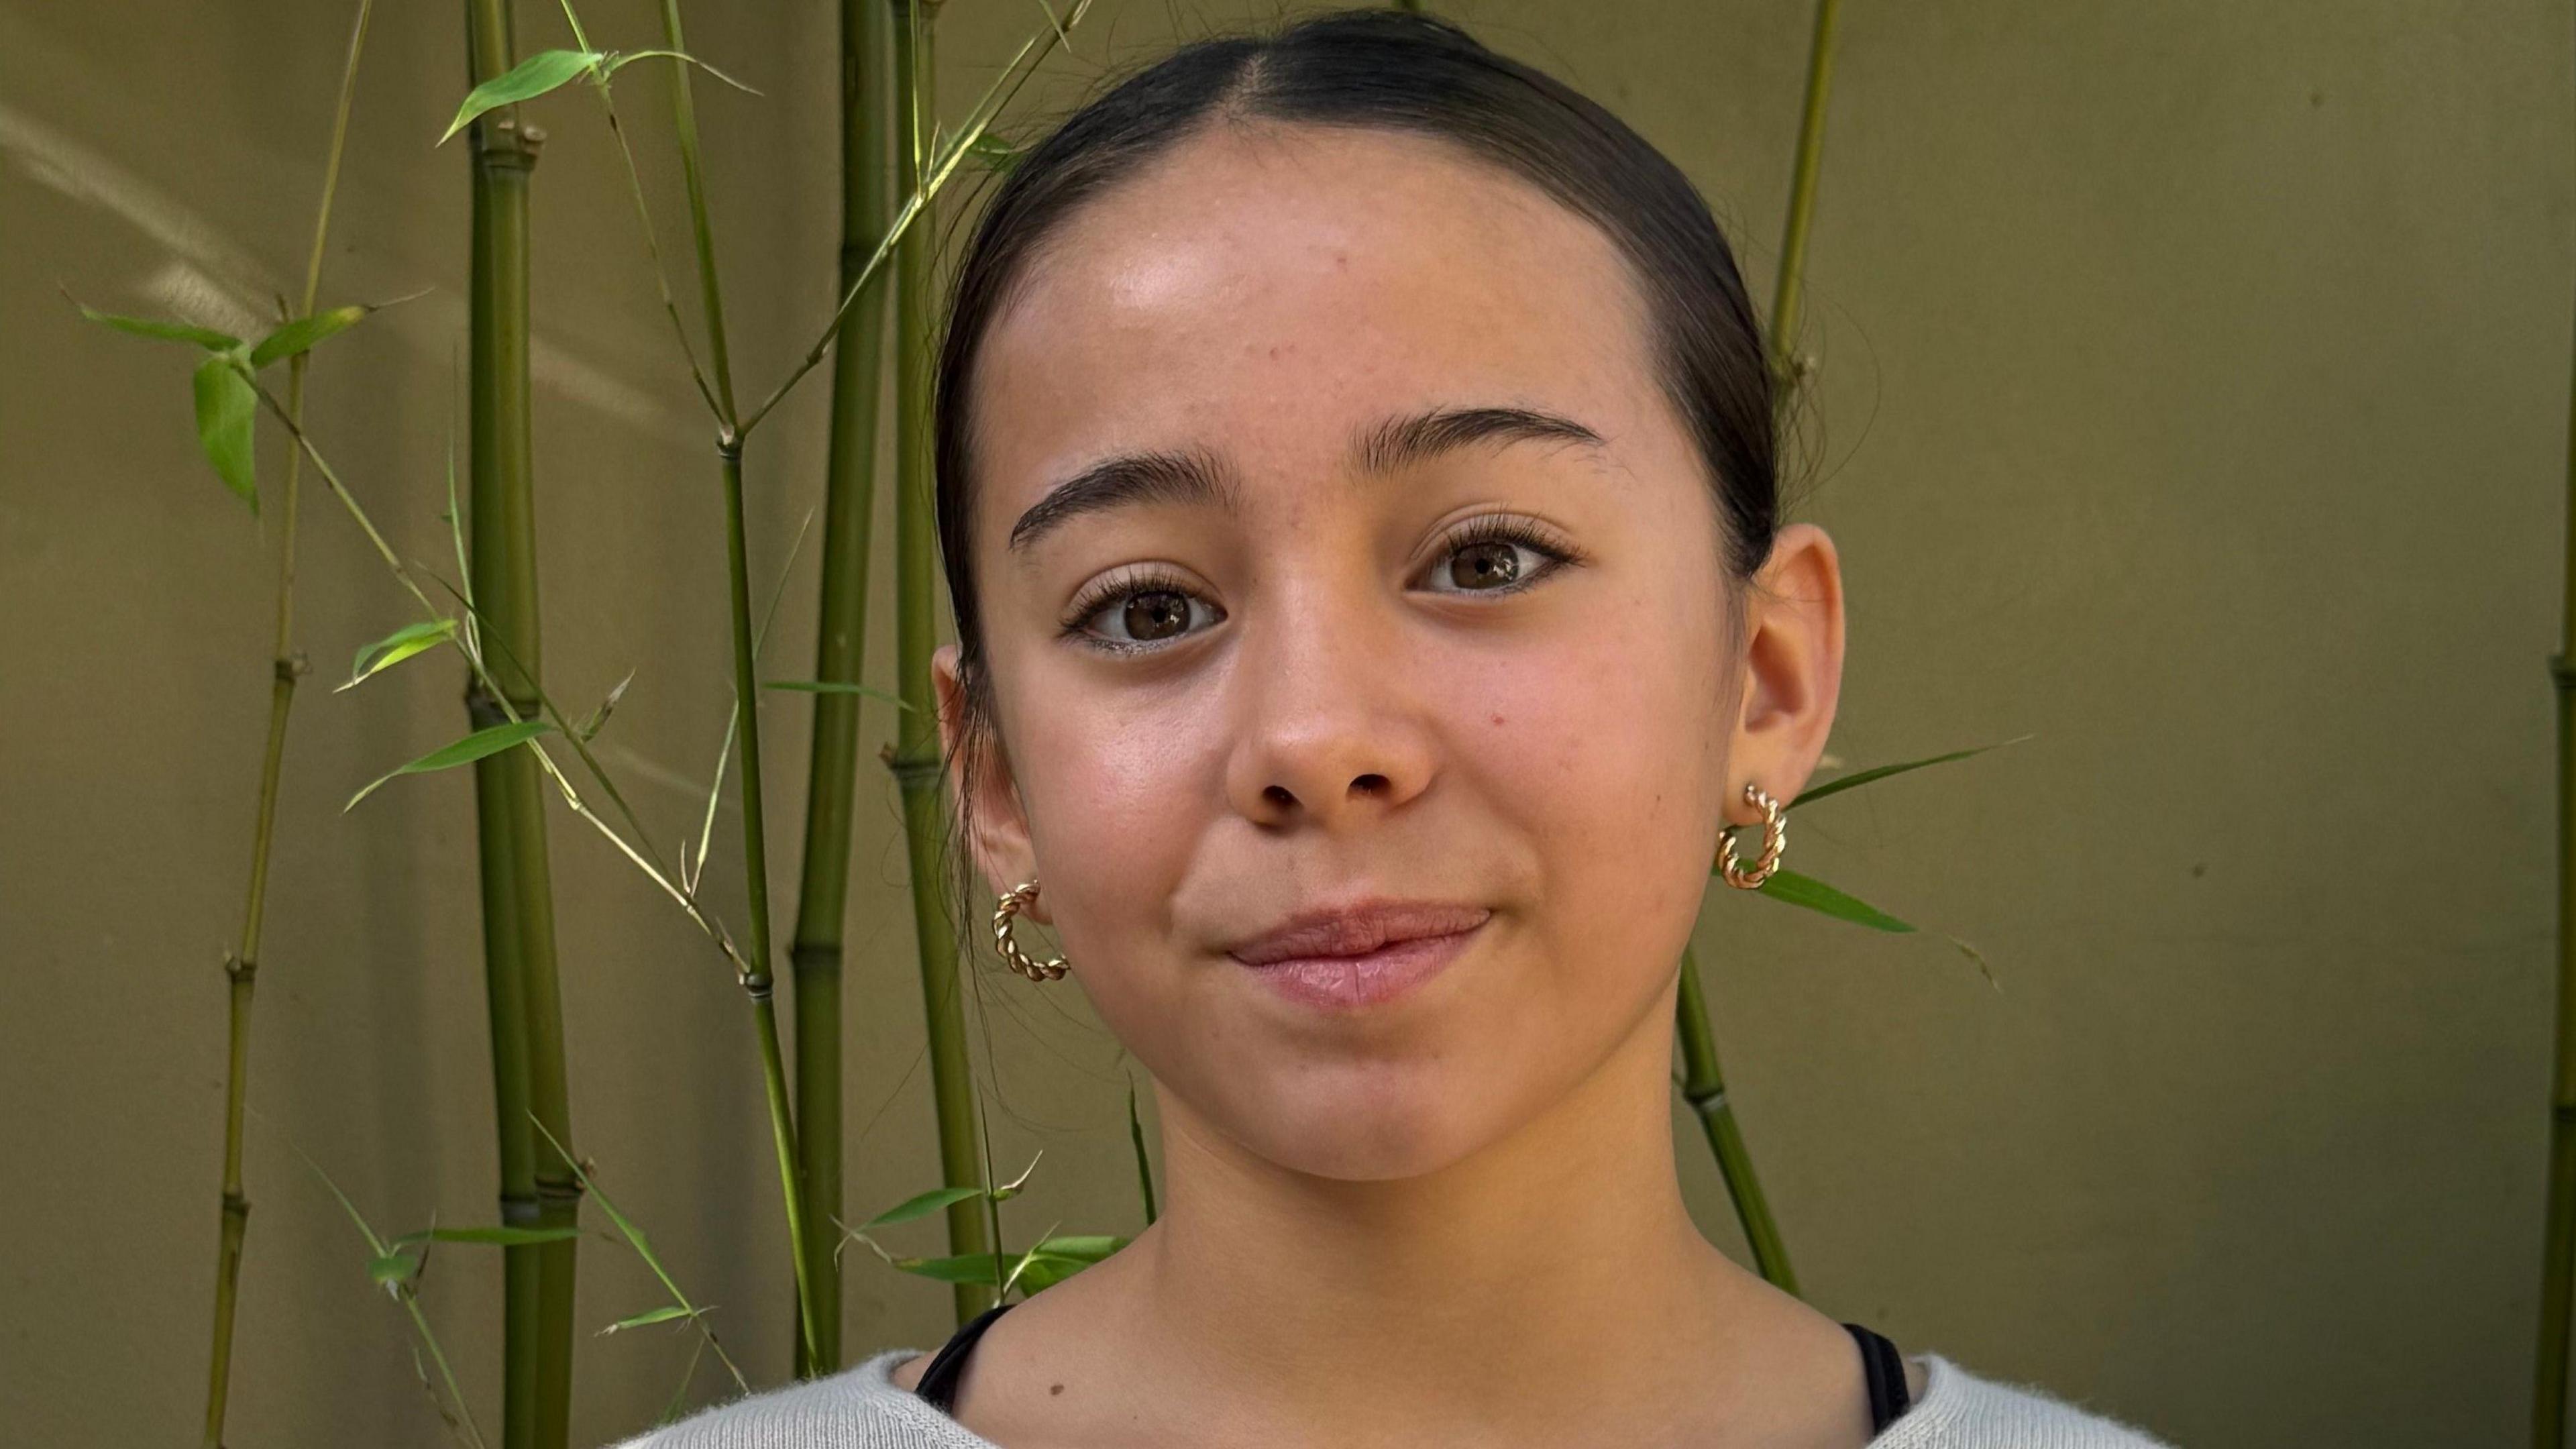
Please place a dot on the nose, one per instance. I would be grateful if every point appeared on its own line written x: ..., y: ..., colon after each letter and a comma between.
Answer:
x: 1330, y: 728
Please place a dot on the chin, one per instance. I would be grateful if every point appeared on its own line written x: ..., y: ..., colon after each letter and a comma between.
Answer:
x: 1365, y: 1121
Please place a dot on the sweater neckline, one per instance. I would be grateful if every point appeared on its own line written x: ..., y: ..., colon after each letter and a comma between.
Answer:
x: 1943, y: 1384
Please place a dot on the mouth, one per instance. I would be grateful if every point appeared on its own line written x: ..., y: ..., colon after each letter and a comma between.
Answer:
x: 1361, y: 955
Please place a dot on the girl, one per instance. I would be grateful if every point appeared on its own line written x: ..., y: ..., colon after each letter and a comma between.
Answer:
x: 1355, y: 455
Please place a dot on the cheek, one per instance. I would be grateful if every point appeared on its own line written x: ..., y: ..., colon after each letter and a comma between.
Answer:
x: 1117, y: 798
x: 1607, y: 753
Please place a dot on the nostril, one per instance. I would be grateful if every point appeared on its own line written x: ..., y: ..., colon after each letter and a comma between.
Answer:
x: 1369, y: 785
x: 1278, y: 795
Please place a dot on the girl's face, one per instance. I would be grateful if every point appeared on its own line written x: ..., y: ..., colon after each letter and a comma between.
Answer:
x: 1339, y: 550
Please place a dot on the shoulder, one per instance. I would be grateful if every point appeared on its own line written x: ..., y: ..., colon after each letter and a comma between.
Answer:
x: 858, y: 1408
x: 1961, y: 1410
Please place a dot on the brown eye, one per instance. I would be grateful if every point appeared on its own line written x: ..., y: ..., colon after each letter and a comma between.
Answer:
x: 1490, y: 564
x: 1140, y: 611
x: 1160, y: 614
x: 1498, y: 554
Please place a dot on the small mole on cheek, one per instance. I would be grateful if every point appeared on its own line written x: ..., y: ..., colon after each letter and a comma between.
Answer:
x: 1056, y: 1389
x: 1498, y: 719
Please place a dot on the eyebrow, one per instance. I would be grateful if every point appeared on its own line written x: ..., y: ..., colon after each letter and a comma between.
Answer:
x: 1198, y: 476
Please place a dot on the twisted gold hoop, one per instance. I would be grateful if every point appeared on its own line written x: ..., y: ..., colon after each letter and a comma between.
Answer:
x: 1775, y: 835
x: 1005, y: 943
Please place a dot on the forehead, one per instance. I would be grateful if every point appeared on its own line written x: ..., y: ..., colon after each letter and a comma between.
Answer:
x: 1264, y: 290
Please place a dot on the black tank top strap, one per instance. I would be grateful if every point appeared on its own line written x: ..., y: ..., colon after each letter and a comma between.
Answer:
x: 939, y: 1381
x: 1884, y: 1372
x: 1882, y: 1369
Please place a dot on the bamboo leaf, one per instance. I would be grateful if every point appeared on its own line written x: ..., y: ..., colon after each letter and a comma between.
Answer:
x: 300, y: 336
x: 1880, y: 772
x: 996, y: 154
x: 392, y: 1268
x: 619, y: 60
x: 967, y: 1268
x: 598, y: 719
x: 542, y: 72
x: 648, y: 1317
x: 1791, y: 888
x: 835, y: 686
x: 1060, y: 1257
x: 396, y: 647
x: 1086, y: 1248
x: 226, y: 404
x: 496, y: 1237
x: 1011, y: 1189
x: 476, y: 746
x: 205, y: 337
x: 922, y: 1206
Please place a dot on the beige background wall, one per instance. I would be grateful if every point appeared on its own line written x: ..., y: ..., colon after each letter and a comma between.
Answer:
x: 2194, y: 385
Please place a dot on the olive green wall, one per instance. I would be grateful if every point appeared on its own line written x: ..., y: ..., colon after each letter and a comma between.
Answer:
x: 2193, y: 397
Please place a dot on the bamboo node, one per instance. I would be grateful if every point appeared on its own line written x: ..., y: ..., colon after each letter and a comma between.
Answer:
x: 236, y: 1206
x: 2561, y: 671
x: 238, y: 969
x: 913, y: 771
x: 480, y: 706
x: 518, y: 1211
x: 1712, y: 1100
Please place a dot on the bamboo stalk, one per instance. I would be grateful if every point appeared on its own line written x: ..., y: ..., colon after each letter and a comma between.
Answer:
x: 915, y: 762
x: 2558, y: 1252
x: 1802, y: 195
x: 241, y: 967
x: 1704, y: 1085
x: 840, y: 652
x: 518, y: 898
x: 757, y: 981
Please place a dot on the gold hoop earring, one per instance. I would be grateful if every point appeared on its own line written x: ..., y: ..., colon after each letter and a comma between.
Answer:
x: 1003, y: 941
x: 1775, y: 834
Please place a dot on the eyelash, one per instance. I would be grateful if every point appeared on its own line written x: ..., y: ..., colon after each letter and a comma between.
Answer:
x: 1554, y: 551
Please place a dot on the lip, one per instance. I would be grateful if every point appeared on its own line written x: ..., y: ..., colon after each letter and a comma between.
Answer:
x: 1362, y: 954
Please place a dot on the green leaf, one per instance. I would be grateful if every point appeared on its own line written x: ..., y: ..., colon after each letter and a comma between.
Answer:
x: 996, y: 155
x: 205, y: 337
x: 226, y: 403
x: 834, y: 686
x: 465, y: 751
x: 490, y: 1237
x: 620, y: 60
x: 392, y: 1268
x: 1880, y: 772
x: 1088, y: 1249
x: 1052, y: 1261
x: 396, y: 647
x: 1791, y: 888
x: 649, y: 1316
x: 542, y: 72
x: 969, y: 1268
x: 300, y: 335
x: 922, y: 1206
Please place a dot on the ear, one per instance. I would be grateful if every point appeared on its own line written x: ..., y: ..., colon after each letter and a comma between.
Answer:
x: 982, y: 792
x: 1793, y: 669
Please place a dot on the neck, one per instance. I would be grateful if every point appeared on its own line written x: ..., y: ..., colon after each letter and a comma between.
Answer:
x: 1561, y: 1255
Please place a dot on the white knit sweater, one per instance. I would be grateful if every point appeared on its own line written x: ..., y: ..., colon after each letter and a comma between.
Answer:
x: 862, y: 1408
